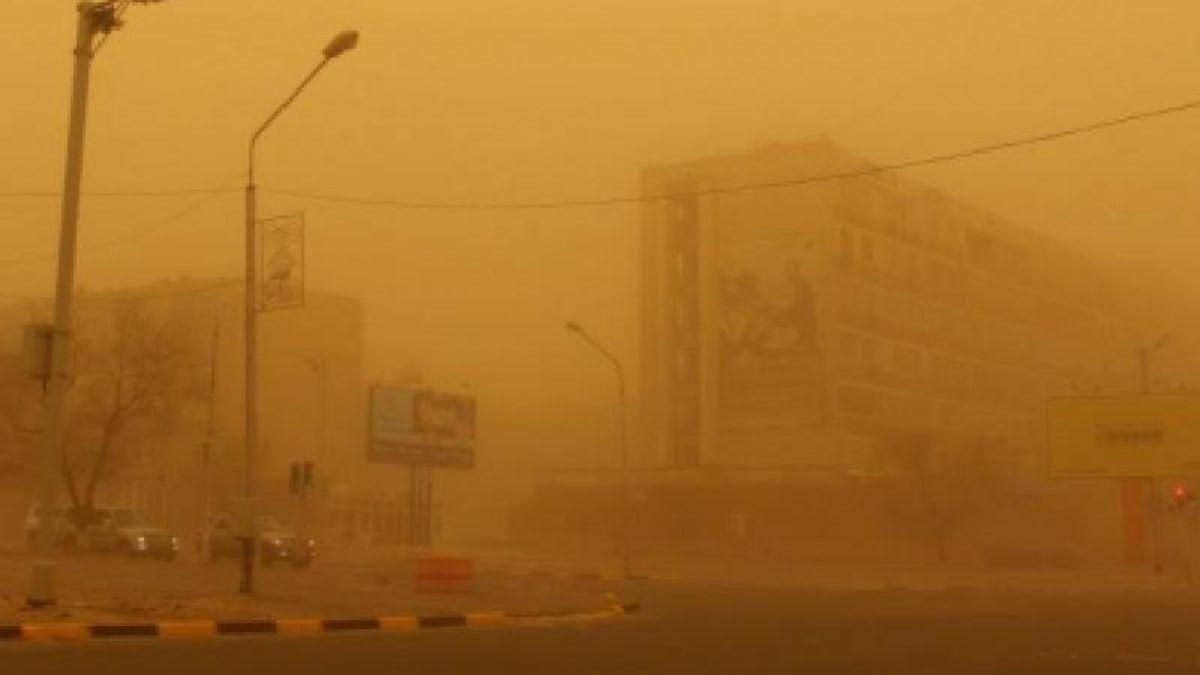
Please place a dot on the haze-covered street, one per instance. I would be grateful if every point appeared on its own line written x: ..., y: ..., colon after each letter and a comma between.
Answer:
x: 635, y: 336
x: 717, y: 630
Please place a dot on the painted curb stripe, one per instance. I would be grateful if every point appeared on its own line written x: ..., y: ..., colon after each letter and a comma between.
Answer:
x: 486, y: 619
x: 187, y: 629
x: 447, y: 621
x: 42, y: 632
x: 122, y: 630
x: 607, y: 614
x: 298, y: 626
x: 556, y: 614
x: 398, y: 624
x: 333, y: 625
x: 245, y: 626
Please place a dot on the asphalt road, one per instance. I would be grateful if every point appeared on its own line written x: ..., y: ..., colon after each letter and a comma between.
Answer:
x: 697, y: 630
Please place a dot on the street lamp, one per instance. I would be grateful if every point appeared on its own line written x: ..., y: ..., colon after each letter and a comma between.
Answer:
x: 340, y: 44
x: 95, y: 19
x: 573, y: 327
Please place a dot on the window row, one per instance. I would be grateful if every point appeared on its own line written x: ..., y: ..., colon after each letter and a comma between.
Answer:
x: 936, y: 373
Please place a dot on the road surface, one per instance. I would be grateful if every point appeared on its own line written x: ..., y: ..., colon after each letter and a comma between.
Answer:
x: 698, y: 630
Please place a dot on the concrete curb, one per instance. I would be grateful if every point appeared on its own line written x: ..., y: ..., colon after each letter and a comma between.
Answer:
x: 209, y: 628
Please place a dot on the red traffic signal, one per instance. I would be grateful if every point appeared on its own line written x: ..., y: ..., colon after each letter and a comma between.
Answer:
x: 1180, y: 496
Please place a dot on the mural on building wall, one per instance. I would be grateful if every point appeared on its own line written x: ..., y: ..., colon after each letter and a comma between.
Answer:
x: 770, y: 352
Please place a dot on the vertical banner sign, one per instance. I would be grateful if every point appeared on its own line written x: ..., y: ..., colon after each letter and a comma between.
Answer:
x: 281, y: 266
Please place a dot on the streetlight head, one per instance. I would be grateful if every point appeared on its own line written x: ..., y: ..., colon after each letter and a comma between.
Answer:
x: 574, y: 327
x: 341, y: 43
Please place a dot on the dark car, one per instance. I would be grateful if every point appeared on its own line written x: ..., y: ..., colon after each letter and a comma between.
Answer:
x: 107, y: 530
x: 276, y: 543
x: 120, y: 530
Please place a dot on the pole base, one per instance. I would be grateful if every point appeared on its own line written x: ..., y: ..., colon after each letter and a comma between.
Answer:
x: 41, y: 585
x: 247, y: 585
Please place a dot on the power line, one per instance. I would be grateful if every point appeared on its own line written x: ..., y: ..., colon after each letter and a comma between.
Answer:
x: 795, y: 182
x: 121, y: 297
x: 120, y: 194
x: 195, y: 290
x: 152, y: 228
x: 636, y: 199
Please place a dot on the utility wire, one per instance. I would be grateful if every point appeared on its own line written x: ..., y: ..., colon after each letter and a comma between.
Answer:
x: 635, y: 199
x: 120, y: 194
x: 122, y: 297
x: 151, y: 228
x: 612, y: 201
x: 872, y: 170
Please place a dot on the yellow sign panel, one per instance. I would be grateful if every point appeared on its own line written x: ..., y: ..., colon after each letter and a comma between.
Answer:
x: 1132, y: 435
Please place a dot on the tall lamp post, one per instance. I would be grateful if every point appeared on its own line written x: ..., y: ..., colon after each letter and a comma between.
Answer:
x: 575, y: 328
x: 94, y: 20
x: 340, y: 44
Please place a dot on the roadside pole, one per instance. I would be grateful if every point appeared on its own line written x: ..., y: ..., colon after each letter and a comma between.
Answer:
x: 209, y: 444
x: 340, y: 44
x: 92, y: 19
x: 251, y: 374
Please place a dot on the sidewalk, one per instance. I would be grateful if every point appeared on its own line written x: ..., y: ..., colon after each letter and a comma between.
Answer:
x: 96, y: 588
x: 799, y: 574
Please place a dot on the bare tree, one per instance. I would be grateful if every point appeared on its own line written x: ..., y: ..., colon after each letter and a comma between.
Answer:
x: 132, y: 376
x: 13, y: 447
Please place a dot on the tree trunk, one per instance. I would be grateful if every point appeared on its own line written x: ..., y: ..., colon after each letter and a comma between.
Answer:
x: 110, y: 429
x: 69, y: 480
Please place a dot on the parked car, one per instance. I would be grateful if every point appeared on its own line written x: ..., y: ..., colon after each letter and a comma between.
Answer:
x: 104, y: 530
x: 121, y: 531
x: 276, y: 542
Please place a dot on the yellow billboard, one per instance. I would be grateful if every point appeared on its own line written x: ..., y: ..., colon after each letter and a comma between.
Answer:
x: 1124, y: 436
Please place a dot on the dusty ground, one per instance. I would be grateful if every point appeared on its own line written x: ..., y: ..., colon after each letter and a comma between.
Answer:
x: 111, y: 588
x: 699, y: 629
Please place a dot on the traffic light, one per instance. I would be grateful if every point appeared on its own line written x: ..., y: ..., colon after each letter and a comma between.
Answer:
x: 1181, y: 496
x: 307, y: 478
x: 302, y: 478
x: 296, y: 483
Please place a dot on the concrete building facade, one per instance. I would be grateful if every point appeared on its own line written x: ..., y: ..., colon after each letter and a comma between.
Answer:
x: 312, y: 407
x: 824, y: 324
x: 840, y: 363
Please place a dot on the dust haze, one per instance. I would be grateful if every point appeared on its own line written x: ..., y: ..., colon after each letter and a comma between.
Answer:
x: 860, y: 399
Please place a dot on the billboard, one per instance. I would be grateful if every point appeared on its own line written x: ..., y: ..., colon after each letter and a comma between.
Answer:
x: 1124, y: 436
x: 770, y: 366
x: 421, y: 427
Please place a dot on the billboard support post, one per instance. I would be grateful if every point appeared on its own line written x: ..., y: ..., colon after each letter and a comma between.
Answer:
x: 424, y: 430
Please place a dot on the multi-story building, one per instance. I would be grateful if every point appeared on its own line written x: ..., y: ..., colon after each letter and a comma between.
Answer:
x: 840, y: 361
x: 827, y: 323
x: 312, y: 407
